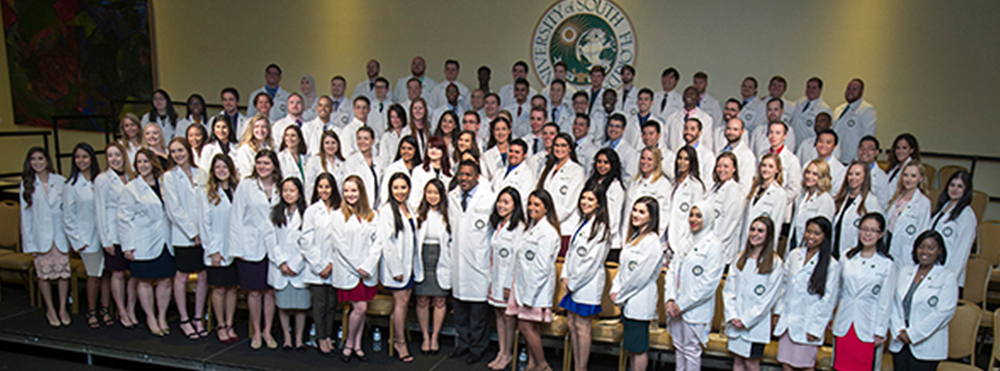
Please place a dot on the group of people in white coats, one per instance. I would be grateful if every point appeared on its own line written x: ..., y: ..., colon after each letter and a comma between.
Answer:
x: 305, y: 214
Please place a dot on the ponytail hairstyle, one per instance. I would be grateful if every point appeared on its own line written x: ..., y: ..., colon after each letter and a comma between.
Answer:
x: 550, y: 210
x: 765, y: 262
x: 880, y: 246
x: 394, y: 204
x: 28, y: 173
x: 334, y: 200
x: 817, y: 282
x: 95, y: 168
x: 278, y: 211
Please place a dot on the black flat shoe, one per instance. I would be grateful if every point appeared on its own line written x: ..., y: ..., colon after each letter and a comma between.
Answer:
x: 345, y: 356
x: 300, y: 349
x: 360, y: 356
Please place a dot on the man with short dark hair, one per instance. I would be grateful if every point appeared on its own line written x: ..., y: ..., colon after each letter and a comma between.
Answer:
x: 451, y: 103
x: 469, y: 208
x: 418, y: 67
x: 675, y: 122
x: 754, y: 108
x: 854, y: 119
x: 491, y: 108
x: 537, y: 160
x: 643, y: 112
x: 272, y: 77
x: 759, y: 140
x: 294, y: 116
x: 348, y: 145
x: 824, y: 145
x: 651, y: 133
x: 599, y: 117
x: 693, y: 128
x: 560, y: 112
x: 729, y: 111
x: 613, y: 138
x: 517, y: 174
x: 343, y: 110
x: 597, y: 75
x: 791, y: 168
x: 627, y: 92
x: 534, y: 138
x: 231, y: 108
x: 586, y: 146
x: 438, y: 94
x: 313, y: 130
x: 484, y: 75
x: 559, y: 72
x: 737, y: 144
x: 807, y: 150
x: 367, y: 87
x: 668, y: 100
x: 518, y: 71
x: 868, y: 151
x: 519, y: 109
x: 708, y: 103
x: 806, y: 109
x: 379, y: 115
x: 470, y: 122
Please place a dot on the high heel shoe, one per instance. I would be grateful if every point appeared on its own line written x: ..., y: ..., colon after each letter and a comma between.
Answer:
x: 106, y: 317
x: 65, y: 321
x: 155, y: 330
x: 53, y: 322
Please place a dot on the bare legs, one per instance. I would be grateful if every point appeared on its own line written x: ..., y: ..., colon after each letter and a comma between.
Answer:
x: 125, y: 303
x: 62, y: 316
x: 284, y: 315
x: 639, y: 361
x: 401, y: 300
x: 180, y: 296
x: 746, y: 364
x: 254, y: 300
x: 505, y: 339
x: 99, y: 286
x: 224, y: 303
x: 579, y: 337
x: 532, y: 333
x: 355, y: 326
x: 424, y: 310
x: 161, y: 298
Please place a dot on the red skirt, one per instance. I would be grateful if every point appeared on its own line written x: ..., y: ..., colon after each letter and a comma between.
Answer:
x: 358, y: 293
x: 850, y: 353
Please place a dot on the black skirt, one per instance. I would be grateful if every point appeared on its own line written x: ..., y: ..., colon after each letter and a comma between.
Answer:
x: 116, y: 263
x: 189, y: 259
x: 252, y: 275
x: 161, y: 267
x: 222, y: 276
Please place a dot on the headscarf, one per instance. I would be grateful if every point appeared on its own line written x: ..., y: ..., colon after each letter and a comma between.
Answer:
x: 706, y: 234
x: 309, y: 99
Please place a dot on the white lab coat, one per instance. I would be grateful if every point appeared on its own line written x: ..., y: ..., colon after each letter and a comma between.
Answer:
x: 371, y: 176
x: 213, y: 227
x: 180, y: 197
x: 365, y: 87
x: 278, y: 110
x: 761, y: 143
x: 749, y: 296
x: 804, y: 117
x: 565, y: 185
x: 913, y: 220
x: 615, y: 194
x: 283, y: 248
x: 354, y: 248
x: 791, y: 169
x: 108, y: 189
x: 694, y: 275
x: 658, y: 189
x: 470, y: 271
x: 436, y: 96
x: 400, y: 93
x: 837, y: 169
x: 419, y: 180
x: 772, y: 204
x: 801, y: 312
x: 349, y: 137
x: 753, y: 113
x: 389, y: 145
x: 237, y: 127
x: 502, y: 245
x: 635, y: 283
x: 521, y: 113
x: 727, y: 203
x: 312, y: 133
x: 244, y: 160
x: 852, y: 222
x: 317, y: 242
x: 674, y: 129
x: 584, y: 267
x: 706, y: 164
x: 851, y: 126
x: 169, y: 130
x: 143, y: 226
x: 314, y: 167
x: 666, y: 103
x: 520, y: 178
x: 208, y: 152
x: 535, y: 266
x: 711, y: 106
x: 79, y: 216
x: 866, y: 289
x: 442, y: 270
x: 384, y: 191
x: 746, y: 163
x: 807, y: 207
x: 506, y: 94
x: 290, y: 166
x: 250, y: 218
x: 682, y: 198
x: 633, y: 129
x: 933, y: 307
x: 493, y: 164
x: 42, y: 223
x: 959, y: 234
x: 879, y: 185
x: 398, y: 248
x: 629, y: 158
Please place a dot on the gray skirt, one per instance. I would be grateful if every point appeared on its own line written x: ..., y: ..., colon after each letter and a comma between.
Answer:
x: 291, y: 297
x: 430, y: 287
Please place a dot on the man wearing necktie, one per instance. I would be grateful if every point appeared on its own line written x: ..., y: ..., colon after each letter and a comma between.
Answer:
x: 596, y: 86
x: 855, y: 120
x: 367, y: 87
x: 668, y: 100
x: 294, y: 117
x: 627, y: 91
x: 806, y: 109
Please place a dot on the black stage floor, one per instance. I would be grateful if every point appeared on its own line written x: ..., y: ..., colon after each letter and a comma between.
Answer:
x: 27, y: 342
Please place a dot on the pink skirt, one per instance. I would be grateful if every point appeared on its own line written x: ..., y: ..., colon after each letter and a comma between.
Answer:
x: 795, y: 354
x: 53, y: 265
x: 527, y: 314
x: 850, y: 353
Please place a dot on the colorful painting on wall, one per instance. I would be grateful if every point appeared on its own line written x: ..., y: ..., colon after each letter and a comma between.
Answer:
x: 75, y: 57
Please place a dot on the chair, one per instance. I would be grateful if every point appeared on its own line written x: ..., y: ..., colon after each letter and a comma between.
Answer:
x: 717, y: 340
x: 77, y: 272
x: 977, y: 278
x: 883, y: 164
x: 962, y: 331
x: 996, y: 335
x: 382, y: 305
x: 15, y: 261
x: 608, y: 327
x: 933, y: 194
x: 988, y: 240
x: 979, y: 201
x: 929, y: 173
x: 659, y: 337
x: 945, y: 173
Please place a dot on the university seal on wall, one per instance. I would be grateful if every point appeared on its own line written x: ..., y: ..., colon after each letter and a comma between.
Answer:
x: 583, y: 34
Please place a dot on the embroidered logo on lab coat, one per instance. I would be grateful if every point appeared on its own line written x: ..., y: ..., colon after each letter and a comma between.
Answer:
x: 932, y: 301
x: 857, y: 223
x: 948, y: 231
x: 632, y: 265
x: 564, y: 189
x: 809, y: 123
x: 911, y: 229
x: 850, y: 123
x: 530, y: 255
x: 480, y: 224
x: 697, y: 270
x: 877, y: 289
x: 685, y: 207
x: 581, y: 251
x: 343, y: 119
x: 759, y: 290
x: 749, y: 116
x: 633, y: 111
x: 504, y: 252
x: 373, y: 238
x: 717, y: 213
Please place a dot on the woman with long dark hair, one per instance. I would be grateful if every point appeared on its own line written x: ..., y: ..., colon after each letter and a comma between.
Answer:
x: 196, y: 136
x: 867, y: 280
x: 752, y: 288
x: 42, y: 232
x: 287, y: 264
x: 495, y: 158
x: 407, y: 159
x: 905, y: 149
x: 583, y: 273
x: 396, y: 130
x: 956, y: 221
x: 433, y: 259
x: 327, y: 160
x: 688, y: 189
x: 561, y: 179
x: 317, y: 249
x: 505, y: 224
x: 80, y: 222
x: 854, y: 200
x: 727, y: 200
x: 293, y: 154
x: 397, y: 234
x: 436, y: 166
x: 607, y: 174
x: 810, y: 296
x: 162, y: 114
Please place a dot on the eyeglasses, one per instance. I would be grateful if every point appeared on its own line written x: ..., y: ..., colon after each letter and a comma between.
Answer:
x: 871, y: 230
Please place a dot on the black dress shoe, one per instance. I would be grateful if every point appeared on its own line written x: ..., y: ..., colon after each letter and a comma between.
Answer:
x: 458, y: 353
x: 473, y: 359
x: 346, y: 357
x: 361, y: 356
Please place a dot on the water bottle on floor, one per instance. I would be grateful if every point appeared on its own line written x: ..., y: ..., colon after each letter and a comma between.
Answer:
x: 340, y: 334
x: 311, y: 342
x: 522, y: 359
x: 377, y: 340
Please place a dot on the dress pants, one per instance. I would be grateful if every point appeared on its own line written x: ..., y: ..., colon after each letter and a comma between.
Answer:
x: 472, y: 321
x: 324, y: 306
x: 688, y: 355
